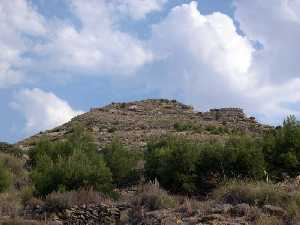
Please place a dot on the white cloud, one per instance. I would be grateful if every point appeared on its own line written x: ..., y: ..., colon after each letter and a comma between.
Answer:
x: 205, y: 61
x: 42, y: 110
x: 98, y: 47
x: 17, y: 18
x: 32, y: 44
x: 204, y: 56
x: 138, y: 9
x: 276, y: 25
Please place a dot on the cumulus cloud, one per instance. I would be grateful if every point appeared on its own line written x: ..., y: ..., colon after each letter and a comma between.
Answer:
x: 207, y: 62
x: 32, y: 44
x: 97, y: 47
x: 42, y: 110
x: 276, y: 26
x: 17, y: 19
x: 204, y: 56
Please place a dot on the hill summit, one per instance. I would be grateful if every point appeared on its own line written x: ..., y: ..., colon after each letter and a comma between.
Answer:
x: 136, y: 122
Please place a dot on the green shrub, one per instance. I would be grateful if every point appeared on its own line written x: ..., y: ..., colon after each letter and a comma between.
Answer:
x: 172, y: 161
x: 185, y: 166
x: 69, y: 165
x: 187, y: 126
x: 5, y: 177
x: 216, y: 130
x: 282, y: 149
x: 121, y: 162
x: 72, y: 173
x: 240, y: 157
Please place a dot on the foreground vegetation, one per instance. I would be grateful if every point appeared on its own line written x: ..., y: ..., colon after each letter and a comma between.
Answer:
x: 186, y: 166
x: 238, y: 169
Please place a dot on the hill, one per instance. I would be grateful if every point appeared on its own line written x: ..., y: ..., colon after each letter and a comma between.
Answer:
x: 192, y: 168
x: 136, y: 122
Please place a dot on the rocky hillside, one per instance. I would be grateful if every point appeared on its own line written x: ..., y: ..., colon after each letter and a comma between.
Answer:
x: 135, y: 122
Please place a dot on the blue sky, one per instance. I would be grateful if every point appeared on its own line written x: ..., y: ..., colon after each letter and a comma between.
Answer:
x: 59, y: 58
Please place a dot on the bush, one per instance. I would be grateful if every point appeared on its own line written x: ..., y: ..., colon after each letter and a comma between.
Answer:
x: 185, y: 166
x: 240, y: 157
x: 172, y: 161
x: 282, y: 149
x: 121, y: 162
x: 69, y: 165
x: 5, y: 177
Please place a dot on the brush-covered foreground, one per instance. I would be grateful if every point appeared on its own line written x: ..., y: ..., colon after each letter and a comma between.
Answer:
x: 240, y: 179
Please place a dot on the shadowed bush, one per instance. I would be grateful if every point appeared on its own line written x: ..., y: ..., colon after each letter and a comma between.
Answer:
x: 69, y: 165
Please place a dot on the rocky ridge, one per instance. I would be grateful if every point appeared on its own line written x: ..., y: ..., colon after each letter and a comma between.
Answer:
x: 136, y: 122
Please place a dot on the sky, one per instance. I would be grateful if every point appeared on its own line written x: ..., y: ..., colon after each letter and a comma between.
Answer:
x: 59, y: 58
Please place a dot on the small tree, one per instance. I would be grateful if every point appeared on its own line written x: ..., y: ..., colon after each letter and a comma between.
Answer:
x: 121, y: 162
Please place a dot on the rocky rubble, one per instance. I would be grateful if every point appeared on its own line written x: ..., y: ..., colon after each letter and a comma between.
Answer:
x: 91, y: 214
x: 136, y: 122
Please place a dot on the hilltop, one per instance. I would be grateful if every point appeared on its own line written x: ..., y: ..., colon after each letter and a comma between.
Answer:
x: 134, y: 123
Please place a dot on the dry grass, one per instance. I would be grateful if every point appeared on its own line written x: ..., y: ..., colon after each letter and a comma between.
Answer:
x: 152, y: 197
x: 252, y: 193
x: 16, y: 167
x: 10, y: 204
x: 57, y: 201
x: 261, y: 193
x: 269, y: 220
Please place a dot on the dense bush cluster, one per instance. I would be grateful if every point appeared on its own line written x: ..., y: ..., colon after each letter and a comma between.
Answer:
x: 186, y: 166
x: 75, y: 163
